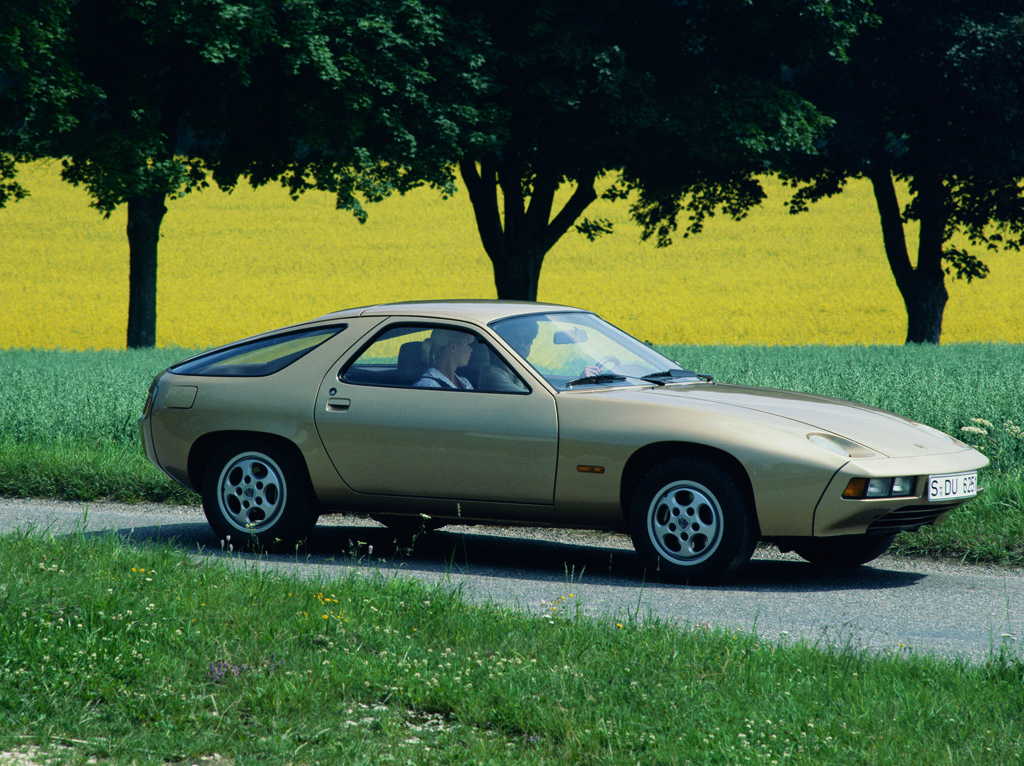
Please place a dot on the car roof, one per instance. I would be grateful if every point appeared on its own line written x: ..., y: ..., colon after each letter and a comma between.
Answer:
x: 482, y: 311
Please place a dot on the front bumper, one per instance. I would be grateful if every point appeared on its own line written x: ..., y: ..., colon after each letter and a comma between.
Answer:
x: 836, y: 515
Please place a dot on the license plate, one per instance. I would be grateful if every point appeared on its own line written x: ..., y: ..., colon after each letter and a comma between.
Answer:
x: 952, y: 486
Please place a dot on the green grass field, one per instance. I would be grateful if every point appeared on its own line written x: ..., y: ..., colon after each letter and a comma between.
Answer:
x: 120, y: 654
x: 116, y: 653
x: 68, y: 420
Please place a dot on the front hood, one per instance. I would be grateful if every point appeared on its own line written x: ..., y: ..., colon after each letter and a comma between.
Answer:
x: 883, y: 432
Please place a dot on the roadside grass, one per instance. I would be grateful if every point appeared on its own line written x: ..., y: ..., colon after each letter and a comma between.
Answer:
x: 85, y: 471
x: 68, y: 421
x: 120, y: 653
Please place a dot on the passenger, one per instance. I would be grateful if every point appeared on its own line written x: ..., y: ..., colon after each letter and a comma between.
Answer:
x: 448, y: 350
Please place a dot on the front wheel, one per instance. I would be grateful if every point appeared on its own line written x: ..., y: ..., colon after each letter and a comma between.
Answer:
x: 691, y: 522
x: 257, y: 494
x: 844, y: 551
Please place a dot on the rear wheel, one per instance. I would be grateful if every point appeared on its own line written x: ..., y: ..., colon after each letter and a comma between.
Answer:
x: 691, y: 522
x: 845, y: 551
x: 258, y: 494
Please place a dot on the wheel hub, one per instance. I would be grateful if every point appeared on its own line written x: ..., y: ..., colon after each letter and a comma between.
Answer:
x: 685, y: 523
x: 252, y: 492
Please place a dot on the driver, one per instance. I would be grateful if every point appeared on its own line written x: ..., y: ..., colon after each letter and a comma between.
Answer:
x: 520, y: 336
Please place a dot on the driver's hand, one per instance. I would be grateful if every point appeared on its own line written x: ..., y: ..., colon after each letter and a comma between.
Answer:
x: 591, y: 370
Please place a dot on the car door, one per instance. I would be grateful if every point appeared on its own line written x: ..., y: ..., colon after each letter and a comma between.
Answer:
x: 386, y: 435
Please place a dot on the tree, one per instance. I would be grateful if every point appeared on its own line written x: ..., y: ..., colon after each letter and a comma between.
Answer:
x: 34, y: 86
x: 365, y: 122
x: 680, y: 103
x: 933, y: 96
x: 167, y: 92
x: 151, y: 71
x: 139, y: 70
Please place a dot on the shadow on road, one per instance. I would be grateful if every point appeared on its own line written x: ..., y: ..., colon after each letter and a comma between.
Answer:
x: 475, y: 553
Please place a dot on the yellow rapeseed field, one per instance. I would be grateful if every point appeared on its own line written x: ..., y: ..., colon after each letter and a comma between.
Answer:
x: 235, y: 264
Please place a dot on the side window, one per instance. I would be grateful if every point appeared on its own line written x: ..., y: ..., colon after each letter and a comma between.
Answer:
x: 396, y: 358
x: 432, y: 356
x: 259, y: 357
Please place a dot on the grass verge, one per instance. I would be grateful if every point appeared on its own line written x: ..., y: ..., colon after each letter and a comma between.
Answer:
x: 85, y: 472
x: 134, y: 654
x: 68, y: 421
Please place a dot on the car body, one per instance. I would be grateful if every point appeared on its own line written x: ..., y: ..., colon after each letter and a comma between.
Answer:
x: 561, y: 420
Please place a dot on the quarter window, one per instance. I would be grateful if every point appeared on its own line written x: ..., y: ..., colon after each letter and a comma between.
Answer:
x: 258, y: 357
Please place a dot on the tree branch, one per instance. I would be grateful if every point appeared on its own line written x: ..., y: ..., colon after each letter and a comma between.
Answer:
x: 571, y: 211
x: 482, y: 187
x: 892, y: 227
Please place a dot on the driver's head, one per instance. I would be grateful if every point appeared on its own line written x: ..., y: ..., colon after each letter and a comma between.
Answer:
x: 520, y: 334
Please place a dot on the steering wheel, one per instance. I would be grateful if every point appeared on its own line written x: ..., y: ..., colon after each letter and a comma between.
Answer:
x: 605, y: 364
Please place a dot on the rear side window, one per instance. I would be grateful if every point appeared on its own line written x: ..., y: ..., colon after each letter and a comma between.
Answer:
x: 258, y: 357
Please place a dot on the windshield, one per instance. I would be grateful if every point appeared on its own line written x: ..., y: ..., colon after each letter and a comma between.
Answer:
x: 576, y: 350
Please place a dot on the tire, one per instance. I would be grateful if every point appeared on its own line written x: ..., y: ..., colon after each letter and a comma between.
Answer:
x: 720, y: 530
x: 258, y: 495
x: 845, y: 551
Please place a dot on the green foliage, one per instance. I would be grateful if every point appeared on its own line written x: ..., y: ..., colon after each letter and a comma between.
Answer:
x: 129, y: 654
x: 683, y: 101
x: 70, y: 398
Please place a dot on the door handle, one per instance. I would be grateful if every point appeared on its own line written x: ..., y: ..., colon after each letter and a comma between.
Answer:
x: 337, y: 405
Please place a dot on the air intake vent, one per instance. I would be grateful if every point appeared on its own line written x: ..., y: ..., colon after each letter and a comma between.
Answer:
x: 909, y: 518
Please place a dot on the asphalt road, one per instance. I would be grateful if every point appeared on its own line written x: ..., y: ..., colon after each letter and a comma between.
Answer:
x: 892, y: 605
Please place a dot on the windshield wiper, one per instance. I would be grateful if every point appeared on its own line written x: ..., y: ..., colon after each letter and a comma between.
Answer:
x: 604, y: 377
x: 658, y: 377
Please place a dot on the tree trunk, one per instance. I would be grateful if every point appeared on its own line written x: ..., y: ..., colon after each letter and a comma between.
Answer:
x: 923, y: 288
x: 517, y: 245
x: 145, y: 214
x: 517, y: 274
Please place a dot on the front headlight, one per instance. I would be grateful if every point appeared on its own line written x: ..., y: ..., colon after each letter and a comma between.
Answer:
x: 830, y: 443
x: 840, y: 446
x: 941, y: 436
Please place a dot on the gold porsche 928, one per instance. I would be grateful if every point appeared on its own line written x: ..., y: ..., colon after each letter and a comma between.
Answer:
x: 490, y: 412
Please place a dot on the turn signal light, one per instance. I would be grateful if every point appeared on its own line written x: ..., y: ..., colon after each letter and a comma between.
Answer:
x: 855, y: 488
